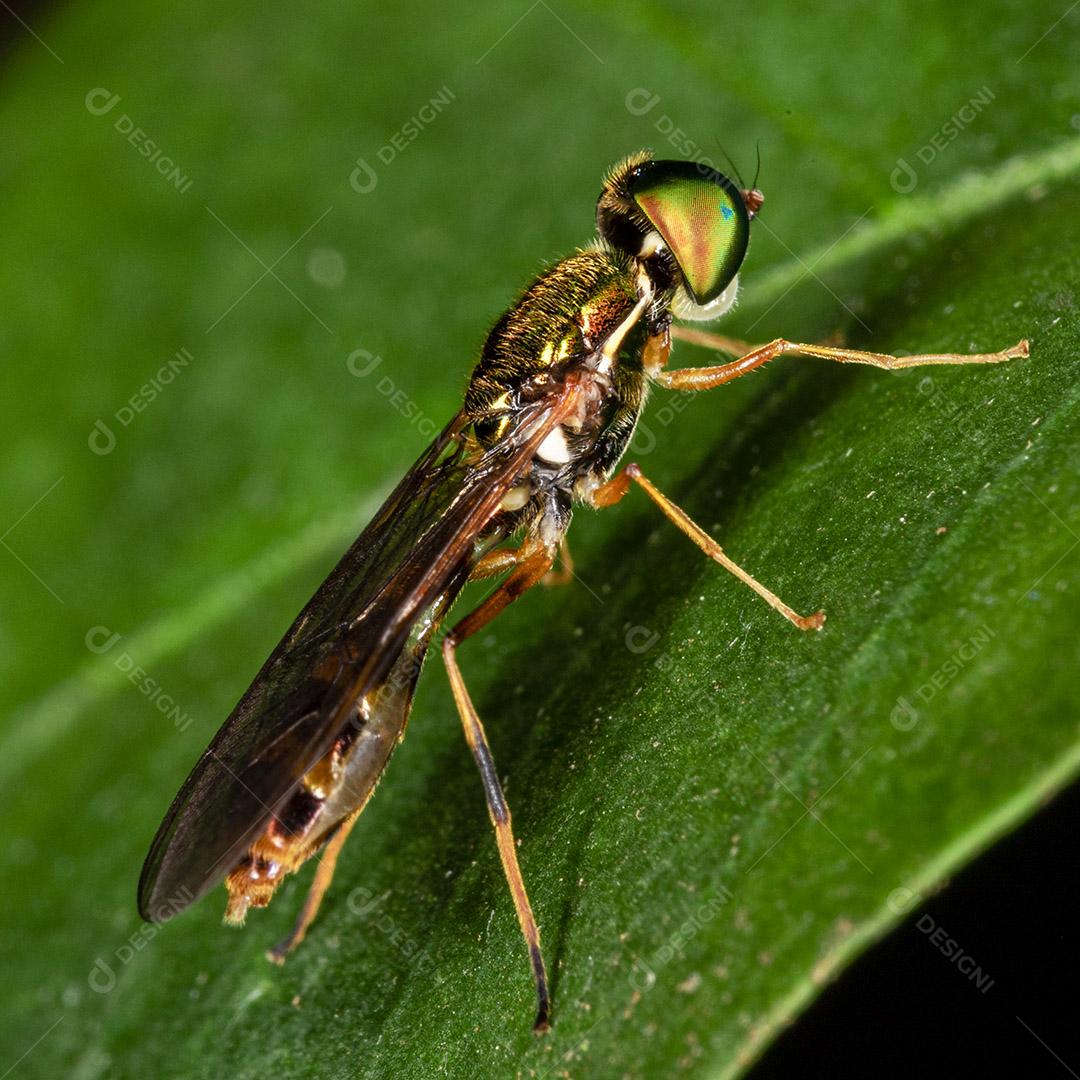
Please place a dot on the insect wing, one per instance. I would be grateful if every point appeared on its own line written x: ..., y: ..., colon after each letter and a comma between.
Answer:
x: 420, y: 546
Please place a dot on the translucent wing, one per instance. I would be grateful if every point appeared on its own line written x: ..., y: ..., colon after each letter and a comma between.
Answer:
x: 410, y: 560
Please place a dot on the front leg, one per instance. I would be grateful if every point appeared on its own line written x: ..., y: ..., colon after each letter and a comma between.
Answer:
x: 706, y: 378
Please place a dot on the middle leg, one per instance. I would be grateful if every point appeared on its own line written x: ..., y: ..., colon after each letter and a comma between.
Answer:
x: 616, y: 488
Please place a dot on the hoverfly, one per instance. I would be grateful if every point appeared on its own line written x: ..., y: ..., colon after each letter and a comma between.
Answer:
x: 549, y: 411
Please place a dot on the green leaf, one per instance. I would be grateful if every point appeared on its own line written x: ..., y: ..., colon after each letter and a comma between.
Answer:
x: 716, y: 812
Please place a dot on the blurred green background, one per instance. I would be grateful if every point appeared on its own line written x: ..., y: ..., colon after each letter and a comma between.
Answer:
x: 247, y: 256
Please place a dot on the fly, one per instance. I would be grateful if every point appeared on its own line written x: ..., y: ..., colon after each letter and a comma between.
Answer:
x: 549, y: 412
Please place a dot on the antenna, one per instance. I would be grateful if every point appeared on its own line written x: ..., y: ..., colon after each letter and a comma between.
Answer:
x: 734, y: 167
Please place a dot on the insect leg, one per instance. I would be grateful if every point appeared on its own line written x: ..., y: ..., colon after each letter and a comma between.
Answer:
x: 565, y: 574
x: 532, y: 567
x: 495, y: 562
x: 610, y: 493
x: 722, y: 343
x: 719, y: 342
x: 705, y: 378
x: 324, y: 874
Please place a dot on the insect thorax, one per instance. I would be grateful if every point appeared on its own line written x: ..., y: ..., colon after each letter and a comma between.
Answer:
x: 562, y: 321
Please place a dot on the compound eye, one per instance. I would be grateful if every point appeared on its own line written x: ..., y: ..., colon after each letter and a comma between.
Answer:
x: 701, y: 216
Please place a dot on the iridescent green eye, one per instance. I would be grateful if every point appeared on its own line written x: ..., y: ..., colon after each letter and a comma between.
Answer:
x: 702, y: 218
